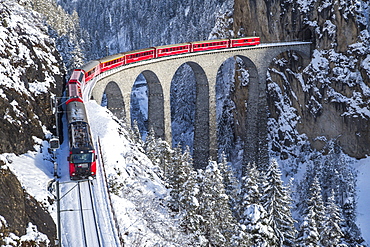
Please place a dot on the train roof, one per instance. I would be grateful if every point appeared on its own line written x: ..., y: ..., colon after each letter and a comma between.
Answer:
x: 173, y: 45
x: 252, y: 37
x: 90, y: 65
x: 209, y: 41
x: 111, y: 57
x: 136, y: 51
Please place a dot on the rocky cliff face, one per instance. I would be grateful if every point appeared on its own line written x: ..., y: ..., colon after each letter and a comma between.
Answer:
x: 18, y: 209
x: 31, y: 72
x: 328, y: 99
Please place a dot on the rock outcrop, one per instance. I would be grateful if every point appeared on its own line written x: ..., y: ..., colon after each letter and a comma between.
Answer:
x: 19, y: 208
x: 31, y: 72
x: 328, y: 98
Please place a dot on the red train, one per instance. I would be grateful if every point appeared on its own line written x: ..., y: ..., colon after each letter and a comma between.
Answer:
x: 96, y: 67
x: 82, y: 158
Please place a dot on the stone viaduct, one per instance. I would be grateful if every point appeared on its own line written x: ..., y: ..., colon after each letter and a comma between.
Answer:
x: 118, y: 83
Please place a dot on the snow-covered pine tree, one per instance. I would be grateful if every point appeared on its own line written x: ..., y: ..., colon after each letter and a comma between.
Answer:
x: 159, y: 152
x: 251, y: 212
x: 178, y: 171
x: 220, y: 227
x: 332, y: 235
x: 339, y: 176
x: 191, y: 221
x: 352, y: 233
x: 308, y: 233
x: 317, y: 202
x: 277, y: 202
x: 313, y: 218
x: 135, y: 133
x: 232, y: 185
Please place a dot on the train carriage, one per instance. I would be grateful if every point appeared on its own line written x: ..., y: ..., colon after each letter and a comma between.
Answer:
x: 248, y: 41
x: 111, y: 62
x: 139, y: 55
x: 91, y: 70
x: 82, y: 157
x: 77, y: 77
x: 74, y: 92
x: 168, y: 50
x: 210, y: 45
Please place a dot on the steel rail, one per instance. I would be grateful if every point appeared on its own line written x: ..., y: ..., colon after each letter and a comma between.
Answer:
x: 81, y: 213
x: 93, y: 203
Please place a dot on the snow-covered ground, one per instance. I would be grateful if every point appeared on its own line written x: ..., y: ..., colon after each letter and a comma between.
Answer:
x: 363, y: 206
x: 35, y: 171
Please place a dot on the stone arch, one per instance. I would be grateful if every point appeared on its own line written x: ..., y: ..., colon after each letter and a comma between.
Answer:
x: 201, y: 139
x: 114, y: 100
x: 155, y: 104
x: 201, y: 125
x: 242, y: 94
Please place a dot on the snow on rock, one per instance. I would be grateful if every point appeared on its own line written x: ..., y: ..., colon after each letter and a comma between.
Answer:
x: 34, y: 170
x: 24, y: 41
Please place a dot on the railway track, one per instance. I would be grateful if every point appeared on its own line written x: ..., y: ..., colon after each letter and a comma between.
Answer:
x: 78, y: 215
x: 86, y: 215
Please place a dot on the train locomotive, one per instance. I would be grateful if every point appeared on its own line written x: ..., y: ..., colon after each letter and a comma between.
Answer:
x: 82, y: 157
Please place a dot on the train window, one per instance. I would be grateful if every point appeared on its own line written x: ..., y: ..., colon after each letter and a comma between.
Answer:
x: 82, y: 158
x: 81, y: 77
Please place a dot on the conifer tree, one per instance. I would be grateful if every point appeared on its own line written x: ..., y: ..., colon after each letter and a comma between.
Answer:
x: 317, y: 203
x: 277, y: 202
x: 332, y: 235
x: 230, y: 181
x: 251, y: 212
x: 308, y: 233
x: 136, y: 136
x: 314, y: 217
x: 186, y: 192
x: 220, y: 228
x: 177, y: 175
x: 159, y: 152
